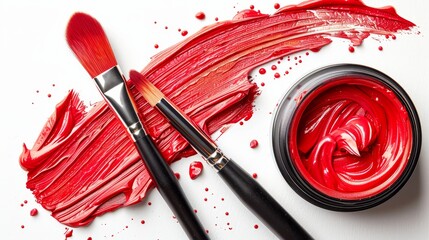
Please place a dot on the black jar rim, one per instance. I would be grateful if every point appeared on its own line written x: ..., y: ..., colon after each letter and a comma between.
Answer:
x: 283, y: 118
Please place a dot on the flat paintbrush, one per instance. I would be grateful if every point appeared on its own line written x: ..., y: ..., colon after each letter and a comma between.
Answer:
x: 88, y: 41
x: 250, y: 192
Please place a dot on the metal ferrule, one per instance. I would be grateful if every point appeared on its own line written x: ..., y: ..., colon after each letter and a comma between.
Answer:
x: 112, y: 86
x: 217, y: 160
x: 198, y: 139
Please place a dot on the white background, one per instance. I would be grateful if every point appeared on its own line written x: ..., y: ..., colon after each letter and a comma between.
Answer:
x: 34, y: 56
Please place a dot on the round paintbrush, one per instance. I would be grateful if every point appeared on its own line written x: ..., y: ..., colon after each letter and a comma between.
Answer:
x: 89, y: 43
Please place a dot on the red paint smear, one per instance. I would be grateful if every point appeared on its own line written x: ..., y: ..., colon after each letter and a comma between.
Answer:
x: 83, y: 164
x: 195, y: 169
x: 351, y: 139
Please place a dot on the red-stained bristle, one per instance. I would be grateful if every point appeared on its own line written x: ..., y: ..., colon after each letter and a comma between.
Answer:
x: 87, y: 39
x: 146, y: 88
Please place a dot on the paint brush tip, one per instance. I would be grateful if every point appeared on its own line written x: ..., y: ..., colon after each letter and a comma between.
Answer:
x: 152, y: 94
x: 89, y: 43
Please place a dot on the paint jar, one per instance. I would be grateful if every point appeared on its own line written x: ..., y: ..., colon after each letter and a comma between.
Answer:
x: 346, y: 137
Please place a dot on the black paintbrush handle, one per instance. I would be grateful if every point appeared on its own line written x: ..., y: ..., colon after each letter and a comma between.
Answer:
x: 254, y: 196
x: 170, y: 189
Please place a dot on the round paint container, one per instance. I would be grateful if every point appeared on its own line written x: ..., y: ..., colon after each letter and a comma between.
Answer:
x: 346, y: 137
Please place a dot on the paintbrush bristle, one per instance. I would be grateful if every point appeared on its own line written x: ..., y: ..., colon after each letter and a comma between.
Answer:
x: 87, y: 39
x: 146, y: 88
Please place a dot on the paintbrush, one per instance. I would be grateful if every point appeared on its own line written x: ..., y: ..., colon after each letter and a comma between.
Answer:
x: 250, y: 192
x: 89, y: 43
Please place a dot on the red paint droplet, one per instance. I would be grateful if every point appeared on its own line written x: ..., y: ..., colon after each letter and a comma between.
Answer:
x: 262, y: 84
x: 25, y: 201
x: 126, y: 226
x: 195, y: 169
x: 206, y: 189
x: 300, y: 61
x: 49, y: 95
x: 387, y: 36
x: 228, y: 223
x: 274, y: 67
x: 254, y: 143
x: 252, y: 7
x: 262, y: 71
x: 255, y: 175
x: 166, y: 27
x: 33, y: 212
x: 296, y: 58
x: 68, y: 233
x: 155, y: 22
x: 227, y: 213
x: 287, y: 72
x: 53, y: 85
x: 351, y: 49
x: 184, y: 33
x: 89, y: 238
x: 142, y: 221
x: 179, y: 30
x: 200, y: 15
x: 380, y: 48
x: 307, y: 53
x: 277, y: 75
x: 216, y: 19
x: 241, y: 123
x: 22, y: 226
x: 205, y: 199
x: 22, y: 204
x: 394, y: 37
x: 223, y: 199
x: 149, y: 203
x: 177, y: 175
x: 276, y: 5
x: 195, y: 210
x: 156, y: 46
x: 256, y: 226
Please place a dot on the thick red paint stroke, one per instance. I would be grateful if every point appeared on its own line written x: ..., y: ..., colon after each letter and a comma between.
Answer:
x: 351, y: 139
x: 83, y: 164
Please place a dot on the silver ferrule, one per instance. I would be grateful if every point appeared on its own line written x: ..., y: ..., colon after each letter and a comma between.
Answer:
x: 112, y: 86
x: 217, y: 160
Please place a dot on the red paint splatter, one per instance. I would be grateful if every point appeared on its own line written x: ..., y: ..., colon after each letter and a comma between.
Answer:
x: 195, y: 211
x: 273, y: 67
x: 380, y: 48
x: 142, y: 221
x: 254, y: 143
x: 277, y: 75
x: 156, y: 46
x: 216, y: 19
x: 25, y: 201
x: 262, y: 71
x: 34, y: 212
x: 195, y: 169
x: 351, y: 49
x: 49, y: 95
x: 226, y: 213
x: 205, y: 199
x: 177, y: 175
x: 255, y: 175
x: 262, y: 84
x: 68, y: 233
x: 22, y: 226
x: 200, y: 15
x: 184, y: 33
x: 276, y: 5
x: 206, y: 189
x: 166, y: 27
x: 83, y: 137
x: 149, y: 203
x: 256, y: 226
